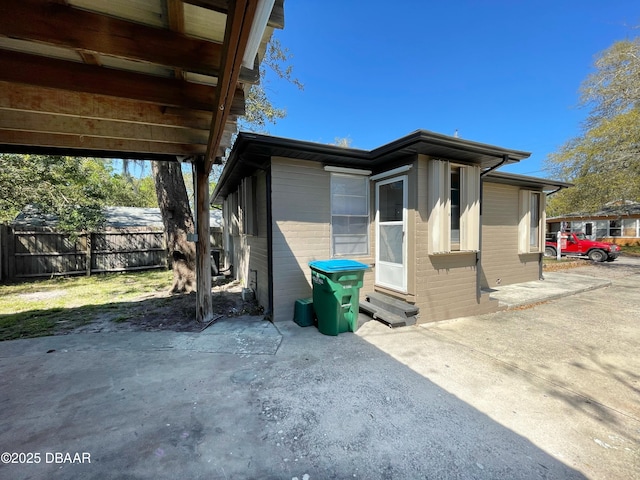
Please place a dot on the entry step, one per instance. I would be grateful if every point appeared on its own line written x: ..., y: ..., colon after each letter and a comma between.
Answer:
x: 390, y: 311
x: 393, y: 305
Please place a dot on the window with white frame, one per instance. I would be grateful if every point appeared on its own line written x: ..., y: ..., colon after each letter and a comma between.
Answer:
x: 615, y: 228
x: 626, y: 227
x: 349, y: 214
x: 530, y: 229
x: 630, y: 227
x: 454, y: 207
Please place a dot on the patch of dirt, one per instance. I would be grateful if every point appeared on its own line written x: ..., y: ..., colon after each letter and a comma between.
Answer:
x: 161, y: 311
x: 565, y: 265
x: 42, y: 295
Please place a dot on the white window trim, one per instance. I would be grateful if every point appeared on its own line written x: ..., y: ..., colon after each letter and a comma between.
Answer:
x: 391, y: 173
x: 349, y: 171
x: 368, y: 215
x: 524, y: 224
x: 439, y: 203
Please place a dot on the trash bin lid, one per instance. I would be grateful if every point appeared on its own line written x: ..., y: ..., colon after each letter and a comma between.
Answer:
x: 337, y: 265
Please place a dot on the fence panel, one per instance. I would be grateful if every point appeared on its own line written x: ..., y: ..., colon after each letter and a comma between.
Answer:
x: 43, y: 253
x: 123, y: 250
x: 46, y: 253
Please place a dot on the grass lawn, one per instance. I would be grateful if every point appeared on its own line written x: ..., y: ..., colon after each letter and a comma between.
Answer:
x: 633, y: 250
x: 40, y: 307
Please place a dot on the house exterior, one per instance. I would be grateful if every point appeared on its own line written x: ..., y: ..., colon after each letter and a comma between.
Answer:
x: 427, y: 212
x: 616, y: 222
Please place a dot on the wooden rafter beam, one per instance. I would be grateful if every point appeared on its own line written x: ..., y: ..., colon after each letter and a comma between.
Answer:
x: 237, y: 31
x: 66, y: 26
x: 45, y: 72
x: 175, y: 15
x: 120, y: 148
x: 83, y: 126
x: 27, y: 98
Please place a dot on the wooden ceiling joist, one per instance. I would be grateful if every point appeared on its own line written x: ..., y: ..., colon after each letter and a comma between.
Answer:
x: 63, y: 102
x: 52, y: 73
x: 116, y: 147
x: 64, y: 26
x: 56, y: 123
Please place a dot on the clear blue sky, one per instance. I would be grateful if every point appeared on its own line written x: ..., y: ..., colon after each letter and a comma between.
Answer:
x: 503, y: 72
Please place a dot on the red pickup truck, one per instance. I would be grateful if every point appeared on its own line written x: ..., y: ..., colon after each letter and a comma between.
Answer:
x: 575, y: 244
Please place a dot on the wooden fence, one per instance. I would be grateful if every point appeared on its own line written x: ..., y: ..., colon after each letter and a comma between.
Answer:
x: 27, y: 254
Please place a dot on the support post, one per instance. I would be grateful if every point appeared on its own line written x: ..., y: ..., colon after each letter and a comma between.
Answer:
x: 204, y: 305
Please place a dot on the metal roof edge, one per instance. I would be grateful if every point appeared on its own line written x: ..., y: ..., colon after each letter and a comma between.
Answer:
x: 427, y: 136
x: 515, y: 178
x: 346, y: 155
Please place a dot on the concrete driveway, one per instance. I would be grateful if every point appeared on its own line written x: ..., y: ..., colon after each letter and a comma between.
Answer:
x: 545, y: 392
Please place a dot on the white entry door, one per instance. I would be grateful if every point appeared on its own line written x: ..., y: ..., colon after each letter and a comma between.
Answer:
x: 391, y: 223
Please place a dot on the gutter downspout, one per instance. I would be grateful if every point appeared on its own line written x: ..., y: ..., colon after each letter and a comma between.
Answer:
x: 479, y: 253
x: 505, y: 159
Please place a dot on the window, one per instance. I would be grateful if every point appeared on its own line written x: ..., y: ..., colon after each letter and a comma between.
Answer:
x: 349, y: 214
x: 534, y: 222
x: 588, y: 229
x: 615, y: 228
x: 454, y: 207
x: 247, y: 196
x: 530, y: 226
x: 629, y: 227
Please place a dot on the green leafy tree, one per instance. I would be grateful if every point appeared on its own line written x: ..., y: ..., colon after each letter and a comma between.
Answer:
x: 173, y: 186
x: 604, y: 161
x: 74, y: 189
x: 259, y: 109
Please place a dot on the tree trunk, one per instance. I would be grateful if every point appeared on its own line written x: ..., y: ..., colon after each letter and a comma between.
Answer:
x: 178, y: 221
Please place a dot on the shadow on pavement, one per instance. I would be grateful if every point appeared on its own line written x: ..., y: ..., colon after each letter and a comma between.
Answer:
x: 318, y: 408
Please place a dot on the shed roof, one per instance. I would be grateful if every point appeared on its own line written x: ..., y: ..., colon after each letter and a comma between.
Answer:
x: 116, y: 218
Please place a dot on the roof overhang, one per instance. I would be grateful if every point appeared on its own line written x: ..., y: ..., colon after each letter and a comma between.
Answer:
x: 544, y: 184
x: 252, y: 151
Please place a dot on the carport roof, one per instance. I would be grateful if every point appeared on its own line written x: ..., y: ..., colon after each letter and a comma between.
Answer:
x: 141, y: 79
x: 252, y: 151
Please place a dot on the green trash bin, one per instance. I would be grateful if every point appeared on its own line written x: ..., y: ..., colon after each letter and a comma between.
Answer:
x: 336, y: 288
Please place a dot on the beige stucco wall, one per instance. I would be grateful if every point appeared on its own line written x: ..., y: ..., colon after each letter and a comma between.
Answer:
x: 301, y: 206
x: 501, y: 263
x: 445, y: 285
